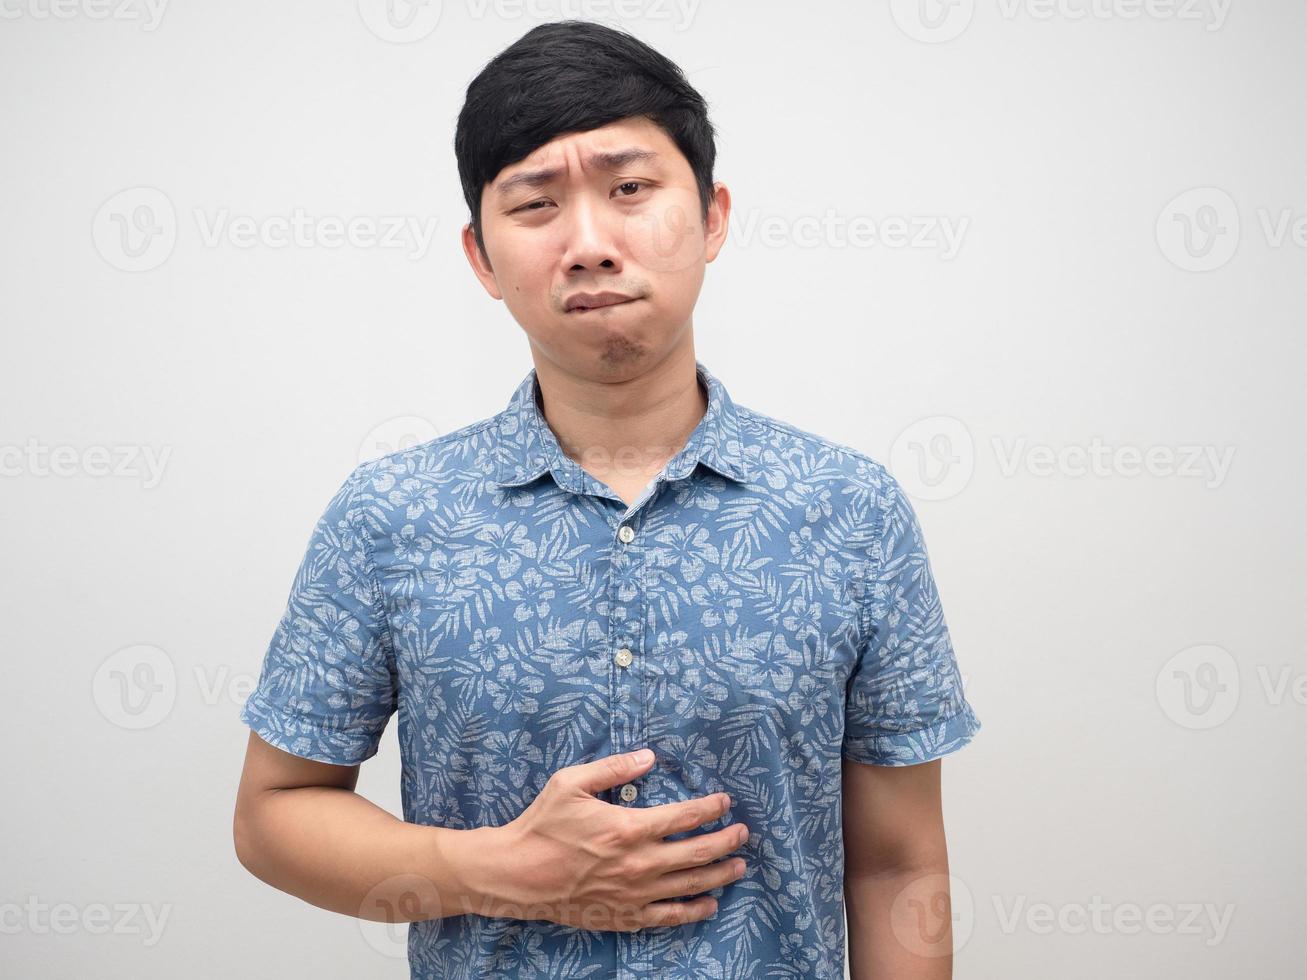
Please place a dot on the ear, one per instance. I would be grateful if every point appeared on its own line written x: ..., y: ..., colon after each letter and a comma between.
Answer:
x: 480, y: 264
x: 718, y: 221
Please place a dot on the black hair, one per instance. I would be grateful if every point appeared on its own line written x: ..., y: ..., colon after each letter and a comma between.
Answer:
x: 571, y: 76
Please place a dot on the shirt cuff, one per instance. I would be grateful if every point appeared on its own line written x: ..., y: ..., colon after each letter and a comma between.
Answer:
x: 917, y: 746
x: 300, y: 735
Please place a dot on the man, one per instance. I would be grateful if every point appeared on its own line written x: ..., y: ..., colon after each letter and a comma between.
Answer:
x: 622, y: 559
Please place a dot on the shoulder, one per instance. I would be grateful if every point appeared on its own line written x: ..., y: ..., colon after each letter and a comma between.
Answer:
x: 436, y: 461
x: 774, y: 440
x: 848, y: 490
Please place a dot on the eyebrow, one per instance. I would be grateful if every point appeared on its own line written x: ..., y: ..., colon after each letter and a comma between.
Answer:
x: 612, y: 160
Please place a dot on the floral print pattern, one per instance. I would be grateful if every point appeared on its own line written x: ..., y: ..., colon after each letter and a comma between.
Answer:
x: 776, y: 604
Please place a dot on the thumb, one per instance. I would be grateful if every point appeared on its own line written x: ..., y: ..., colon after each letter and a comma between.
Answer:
x: 610, y: 770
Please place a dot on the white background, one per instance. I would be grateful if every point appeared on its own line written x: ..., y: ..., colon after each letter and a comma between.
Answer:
x: 1125, y: 630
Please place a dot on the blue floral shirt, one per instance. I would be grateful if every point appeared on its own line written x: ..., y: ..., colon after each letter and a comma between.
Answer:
x: 763, y: 613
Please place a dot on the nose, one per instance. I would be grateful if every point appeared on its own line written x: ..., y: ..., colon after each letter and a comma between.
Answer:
x: 594, y: 237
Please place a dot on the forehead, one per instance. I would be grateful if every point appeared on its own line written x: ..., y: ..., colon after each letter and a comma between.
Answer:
x: 612, y: 147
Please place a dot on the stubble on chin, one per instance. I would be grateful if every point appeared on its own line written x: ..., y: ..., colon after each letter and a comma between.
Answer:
x: 621, y: 351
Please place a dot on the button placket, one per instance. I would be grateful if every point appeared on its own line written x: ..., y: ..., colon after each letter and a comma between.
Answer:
x: 625, y: 585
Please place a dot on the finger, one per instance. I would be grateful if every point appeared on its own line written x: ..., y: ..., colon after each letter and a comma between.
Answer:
x: 610, y: 770
x: 693, y: 852
x: 674, y: 912
x: 696, y: 880
x: 666, y: 819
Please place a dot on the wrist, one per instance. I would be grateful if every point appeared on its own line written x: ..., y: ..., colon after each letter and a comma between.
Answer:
x: 480, y: 871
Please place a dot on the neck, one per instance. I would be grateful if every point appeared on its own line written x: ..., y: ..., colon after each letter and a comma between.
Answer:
x: 630, y: 427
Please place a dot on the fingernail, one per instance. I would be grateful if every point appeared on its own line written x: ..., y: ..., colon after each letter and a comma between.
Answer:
x: 643, y: 756
x: 744, y: 834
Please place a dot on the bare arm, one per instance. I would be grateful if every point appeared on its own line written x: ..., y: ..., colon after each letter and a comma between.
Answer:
x: 896, y: 873
x: 300, y: 827
x: 569, y: 857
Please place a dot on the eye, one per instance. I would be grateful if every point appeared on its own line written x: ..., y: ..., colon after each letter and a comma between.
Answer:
x: 531, y: 206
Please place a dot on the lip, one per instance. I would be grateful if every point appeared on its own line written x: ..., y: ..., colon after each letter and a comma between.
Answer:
x: 594, y: 302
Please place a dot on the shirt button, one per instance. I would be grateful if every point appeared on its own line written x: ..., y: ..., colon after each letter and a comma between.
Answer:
x: 626, y: 533
x: 629, y: 792
x: 623, y: 657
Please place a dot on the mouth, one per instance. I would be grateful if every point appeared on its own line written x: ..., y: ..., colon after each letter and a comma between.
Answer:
x: 598, y: 304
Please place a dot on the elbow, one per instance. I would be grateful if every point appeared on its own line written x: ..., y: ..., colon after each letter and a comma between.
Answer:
x: 244, y: 839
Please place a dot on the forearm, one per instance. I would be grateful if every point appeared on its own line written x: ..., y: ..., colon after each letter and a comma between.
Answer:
x: 339, y: 851
x: 900, y: 923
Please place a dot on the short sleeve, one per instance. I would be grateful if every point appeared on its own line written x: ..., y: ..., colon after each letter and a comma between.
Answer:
x: 328, y: 686
x: 904, y: 703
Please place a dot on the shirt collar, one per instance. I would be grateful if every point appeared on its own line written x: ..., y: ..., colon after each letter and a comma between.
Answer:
x: 527, y: 447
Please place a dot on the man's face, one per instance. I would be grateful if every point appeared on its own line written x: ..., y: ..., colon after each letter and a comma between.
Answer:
x: 610, y: 210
